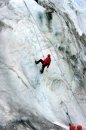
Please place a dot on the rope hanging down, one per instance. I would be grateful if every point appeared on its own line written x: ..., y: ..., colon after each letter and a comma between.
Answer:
x: 67, y: 84
x: 34, y: 27
x: 40, y: 32
x: 26, y: 6
x: 66, y: 111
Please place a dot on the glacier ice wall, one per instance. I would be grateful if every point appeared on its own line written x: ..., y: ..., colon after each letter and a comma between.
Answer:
x: 29, y: 31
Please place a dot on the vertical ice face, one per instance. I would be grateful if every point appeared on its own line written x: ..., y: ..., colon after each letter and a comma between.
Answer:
x: 29, y: 30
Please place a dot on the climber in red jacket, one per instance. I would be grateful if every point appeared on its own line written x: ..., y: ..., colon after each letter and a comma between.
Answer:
x: 45, y: 62
x: 79, y: 127
x: 71, y: 127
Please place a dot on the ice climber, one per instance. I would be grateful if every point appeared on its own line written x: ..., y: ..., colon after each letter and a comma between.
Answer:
x: 79, y: 127
x: 71, y: 127
x: 45, y: 62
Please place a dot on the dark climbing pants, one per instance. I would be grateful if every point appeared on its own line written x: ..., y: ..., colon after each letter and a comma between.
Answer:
x: 36, y: 1
x: 43, y: 66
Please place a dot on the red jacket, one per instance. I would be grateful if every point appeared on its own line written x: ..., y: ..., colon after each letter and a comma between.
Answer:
x: 79, y: 127
x: 47, y: 61
x: 72, y: 127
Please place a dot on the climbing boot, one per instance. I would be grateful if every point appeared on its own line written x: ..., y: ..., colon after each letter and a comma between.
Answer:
x: 41, y: 71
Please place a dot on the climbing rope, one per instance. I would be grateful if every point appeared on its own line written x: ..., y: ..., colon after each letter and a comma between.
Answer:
x: 26, y: 6
x: 34, y: 28
x: 66, y: 111
x: 66, y: 82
